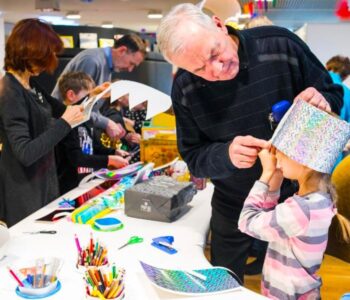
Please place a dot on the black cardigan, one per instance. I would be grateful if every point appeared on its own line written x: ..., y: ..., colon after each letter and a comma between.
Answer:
x: 30, y: 127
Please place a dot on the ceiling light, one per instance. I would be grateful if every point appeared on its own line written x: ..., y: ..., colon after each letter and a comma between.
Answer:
x: 58, y: 20
x: 107, y: 25
x: 155, y: 14
x: 73, y: 15
x: 263, y: 0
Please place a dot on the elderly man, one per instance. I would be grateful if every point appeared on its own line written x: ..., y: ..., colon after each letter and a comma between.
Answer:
x: 128, y: 52
x: 222, y: 97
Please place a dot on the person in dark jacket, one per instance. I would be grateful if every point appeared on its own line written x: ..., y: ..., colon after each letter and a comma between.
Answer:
x: 78, y: 154
x: 222, y: 97
x: 31, y: 122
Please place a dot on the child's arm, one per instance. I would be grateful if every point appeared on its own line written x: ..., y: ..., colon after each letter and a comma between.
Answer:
x: 282, y: 221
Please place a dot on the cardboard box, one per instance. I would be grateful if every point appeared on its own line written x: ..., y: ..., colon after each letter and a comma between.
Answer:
x: 160, y: 198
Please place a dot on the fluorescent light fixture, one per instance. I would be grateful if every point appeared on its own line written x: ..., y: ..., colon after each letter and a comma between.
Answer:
x: 58, y: 20
x: 107, y: 25
x: 264, y: 0
x: 73, y: 15
x: 155, y: 14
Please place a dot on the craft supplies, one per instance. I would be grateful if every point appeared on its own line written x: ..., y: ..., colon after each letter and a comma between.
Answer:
x: 131, y: 241
x: 210, y: 281
x: 106, y: 224
x: 164, y: 243
x: 100, y: 206
x: 94, y: 254
x: 41, y: 231
x: 39, y: 280
x: 104, y: 283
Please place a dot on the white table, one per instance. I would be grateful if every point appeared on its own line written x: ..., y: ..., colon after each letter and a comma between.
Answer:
x: 189, y: 233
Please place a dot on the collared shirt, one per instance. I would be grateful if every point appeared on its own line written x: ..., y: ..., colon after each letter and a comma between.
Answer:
x: 108, y: 53
x: 274, y: 65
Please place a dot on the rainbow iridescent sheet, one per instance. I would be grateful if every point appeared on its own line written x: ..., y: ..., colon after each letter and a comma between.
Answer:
x: 311, y: 136
x: 209, y: 281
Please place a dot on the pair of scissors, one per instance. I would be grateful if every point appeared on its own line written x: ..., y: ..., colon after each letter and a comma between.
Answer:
x: 42, y: 231
x: 132, y: 240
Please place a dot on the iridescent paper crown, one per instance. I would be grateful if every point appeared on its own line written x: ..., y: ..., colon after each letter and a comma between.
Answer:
x: 311, y: 136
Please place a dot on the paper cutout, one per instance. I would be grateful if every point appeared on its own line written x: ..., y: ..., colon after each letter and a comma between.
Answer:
x: 217, y: 280
x: 157, y: 101
x: 88, y: 105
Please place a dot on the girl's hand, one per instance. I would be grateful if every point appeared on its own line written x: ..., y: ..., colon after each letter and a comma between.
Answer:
x: 268, y: 161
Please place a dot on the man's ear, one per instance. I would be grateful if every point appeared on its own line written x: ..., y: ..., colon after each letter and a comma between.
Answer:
x: 219, y: 24
x: 121, y: 50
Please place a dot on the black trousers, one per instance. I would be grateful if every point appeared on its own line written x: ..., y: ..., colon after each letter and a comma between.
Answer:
x: 229, y: 246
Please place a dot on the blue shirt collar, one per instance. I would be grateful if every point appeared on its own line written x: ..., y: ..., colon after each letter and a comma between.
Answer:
x: 108, y: 53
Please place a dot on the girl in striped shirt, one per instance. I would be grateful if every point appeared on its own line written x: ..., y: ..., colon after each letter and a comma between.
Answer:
x: 297, y: 230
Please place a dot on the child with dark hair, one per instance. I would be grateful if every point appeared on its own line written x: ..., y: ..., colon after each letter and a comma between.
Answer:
x: 78, y: 154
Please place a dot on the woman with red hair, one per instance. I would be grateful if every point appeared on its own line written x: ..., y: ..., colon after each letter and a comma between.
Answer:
x: 31, y: 122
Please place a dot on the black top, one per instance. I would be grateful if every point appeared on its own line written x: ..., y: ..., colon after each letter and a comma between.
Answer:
x: 78, y: 155
x: 29, y: 133
x: 274, y: 65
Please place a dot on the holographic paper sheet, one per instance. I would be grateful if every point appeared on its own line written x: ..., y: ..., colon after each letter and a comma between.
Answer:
x: 311, y: 136
x: 218, y: 280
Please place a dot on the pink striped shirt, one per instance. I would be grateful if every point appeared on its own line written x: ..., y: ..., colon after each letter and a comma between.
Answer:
x: 297, y: 232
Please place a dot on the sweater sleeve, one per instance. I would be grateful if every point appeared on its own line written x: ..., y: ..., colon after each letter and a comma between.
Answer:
x: 263, y: 218
x: 204, y: 158
x: 16, y: 120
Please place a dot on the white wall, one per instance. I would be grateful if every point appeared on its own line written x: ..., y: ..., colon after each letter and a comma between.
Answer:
x: 327, y: 40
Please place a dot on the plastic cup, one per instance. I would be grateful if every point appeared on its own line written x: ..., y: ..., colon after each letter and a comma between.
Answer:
x: 31, y: 291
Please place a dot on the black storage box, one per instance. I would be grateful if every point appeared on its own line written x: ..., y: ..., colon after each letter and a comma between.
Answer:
x: 160, y: 198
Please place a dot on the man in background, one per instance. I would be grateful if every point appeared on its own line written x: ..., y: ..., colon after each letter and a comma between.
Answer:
x: 128, y: 53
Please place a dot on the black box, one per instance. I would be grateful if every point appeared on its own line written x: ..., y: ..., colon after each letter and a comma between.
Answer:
x: 160, y: 198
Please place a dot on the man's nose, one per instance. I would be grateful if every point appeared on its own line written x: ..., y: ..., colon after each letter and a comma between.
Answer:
x: 217, y: 68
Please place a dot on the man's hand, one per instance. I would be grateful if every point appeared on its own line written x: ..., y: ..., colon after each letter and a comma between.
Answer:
x: 315, y: 98
x: 244, y: 150
x: 114, y: 130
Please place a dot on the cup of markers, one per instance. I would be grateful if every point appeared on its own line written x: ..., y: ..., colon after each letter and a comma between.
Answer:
x: 104, y: 283
x: 93, y: 255
x: 39, y: 280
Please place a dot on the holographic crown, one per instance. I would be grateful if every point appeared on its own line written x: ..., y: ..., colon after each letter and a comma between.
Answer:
x: 311, y: 136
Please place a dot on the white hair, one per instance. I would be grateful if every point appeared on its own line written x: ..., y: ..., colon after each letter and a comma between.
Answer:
x: 172, y: 29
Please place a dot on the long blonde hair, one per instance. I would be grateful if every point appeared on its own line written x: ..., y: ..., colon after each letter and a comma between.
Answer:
x: 327, y: 186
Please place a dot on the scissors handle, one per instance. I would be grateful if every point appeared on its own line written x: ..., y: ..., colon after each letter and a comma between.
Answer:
x: 48, y: 231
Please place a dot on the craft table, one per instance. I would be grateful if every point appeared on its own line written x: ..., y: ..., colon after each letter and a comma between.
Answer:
x: 189, y: 232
